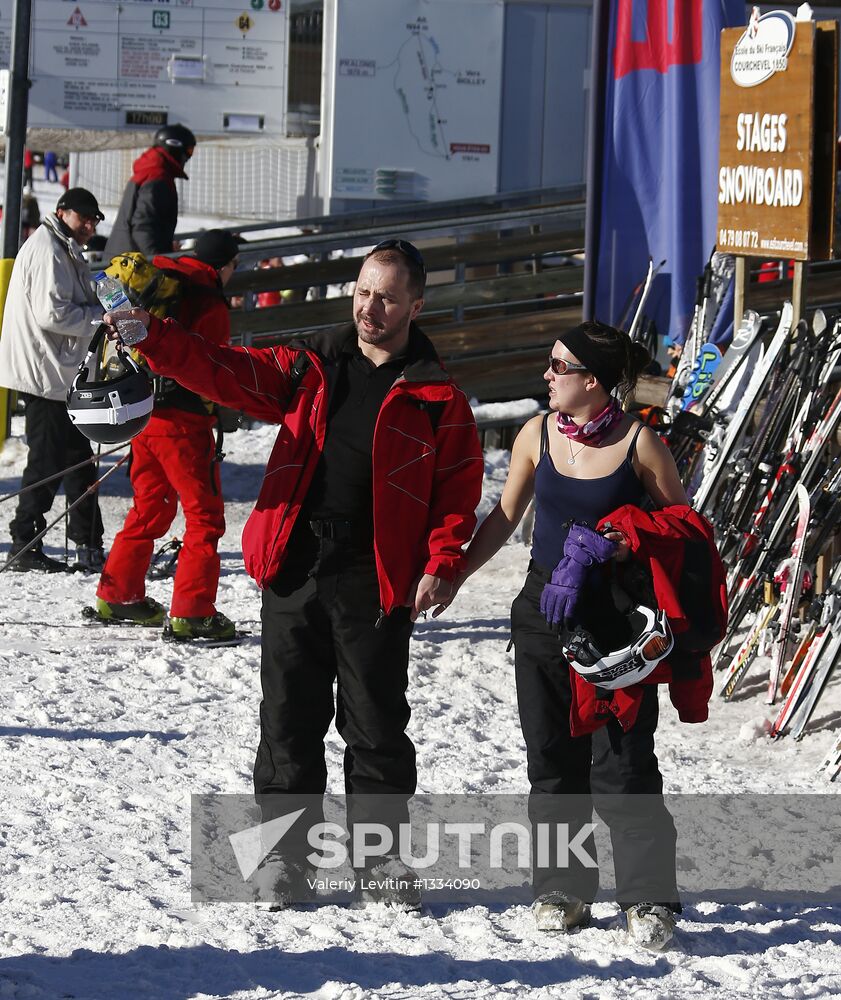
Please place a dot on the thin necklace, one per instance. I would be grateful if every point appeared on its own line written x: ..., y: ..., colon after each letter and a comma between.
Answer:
x: 571, y: 459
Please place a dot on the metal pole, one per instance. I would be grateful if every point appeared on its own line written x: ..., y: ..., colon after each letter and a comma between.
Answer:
x: 595, y: 151
x: 13, y: 557
x: 58, y: 475
x: 798, y: 291
x: 16, y: 139
x: 740, y: 280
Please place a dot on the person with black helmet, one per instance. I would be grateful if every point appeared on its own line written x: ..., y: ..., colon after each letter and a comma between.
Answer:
x: 174, y: 459
x: 50, y: 306
x: 148, y: 212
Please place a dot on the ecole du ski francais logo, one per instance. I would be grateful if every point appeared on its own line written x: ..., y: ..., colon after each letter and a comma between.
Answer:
x: 763, y: 49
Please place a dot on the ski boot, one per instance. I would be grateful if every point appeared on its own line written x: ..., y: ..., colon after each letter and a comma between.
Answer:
x: 215, y: 628
x: 390, y: 883
x: 558, y: 911
x: 34, y: 558
x: 282, y: 882
x: 147, y: 613
x: 89, y: 559
x: 650, y: 926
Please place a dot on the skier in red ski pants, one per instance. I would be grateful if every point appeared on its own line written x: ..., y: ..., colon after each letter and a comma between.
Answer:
x: 174, y: 459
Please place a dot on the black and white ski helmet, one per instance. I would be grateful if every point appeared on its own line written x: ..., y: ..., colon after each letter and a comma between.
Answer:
x: 610, y: 666
x: 114, y: 410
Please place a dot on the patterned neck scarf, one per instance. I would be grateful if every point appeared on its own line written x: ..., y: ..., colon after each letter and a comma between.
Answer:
x: 594, y: 430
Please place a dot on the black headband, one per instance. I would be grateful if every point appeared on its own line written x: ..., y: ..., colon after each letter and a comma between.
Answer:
x: 588, y: 353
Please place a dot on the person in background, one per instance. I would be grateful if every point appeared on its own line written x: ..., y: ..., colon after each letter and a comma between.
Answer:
x: 50, y: 306
x: 148, y: 212
x: 94, y: 253
x: 30, y: 213
x: 274, y: 297
x: 50, y: 165
x: 28, y: 162
x: 174, y: 459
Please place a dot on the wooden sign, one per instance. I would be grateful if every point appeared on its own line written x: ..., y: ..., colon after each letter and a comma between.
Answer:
x: 766, y: 139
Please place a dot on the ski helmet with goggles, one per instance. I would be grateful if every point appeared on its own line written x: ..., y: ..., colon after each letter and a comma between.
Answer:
x: 178, y: 139
x: 114, y: 410
x: 607, y: 666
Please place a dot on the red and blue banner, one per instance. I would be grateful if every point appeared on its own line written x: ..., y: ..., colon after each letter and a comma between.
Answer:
x: 652, y: 186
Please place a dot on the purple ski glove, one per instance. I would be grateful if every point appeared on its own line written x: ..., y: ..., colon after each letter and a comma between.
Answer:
x: 588, y: 547
x: 583, y: 549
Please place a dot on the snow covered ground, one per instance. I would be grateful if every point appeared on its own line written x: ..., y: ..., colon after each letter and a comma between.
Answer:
x: 106, y: 734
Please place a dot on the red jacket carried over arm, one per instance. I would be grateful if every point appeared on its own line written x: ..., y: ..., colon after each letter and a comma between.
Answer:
x: 676, y: 546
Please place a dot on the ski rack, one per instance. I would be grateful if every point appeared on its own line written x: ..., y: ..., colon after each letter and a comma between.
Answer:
x: 789, y: 507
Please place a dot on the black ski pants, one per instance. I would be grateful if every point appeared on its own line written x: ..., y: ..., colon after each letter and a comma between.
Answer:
x: 613, y: 771
x: 319, y: 627
x: 55, y: 444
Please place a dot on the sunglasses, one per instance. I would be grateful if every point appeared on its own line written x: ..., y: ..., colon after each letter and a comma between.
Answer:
x: 405, y: 247
x: 561, y: 367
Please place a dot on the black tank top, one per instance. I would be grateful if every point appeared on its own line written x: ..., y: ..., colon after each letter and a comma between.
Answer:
x: 559, y: 499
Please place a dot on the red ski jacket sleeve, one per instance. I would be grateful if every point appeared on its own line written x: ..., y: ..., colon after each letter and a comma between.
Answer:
x: 457, y: 489
x: 256, y: 380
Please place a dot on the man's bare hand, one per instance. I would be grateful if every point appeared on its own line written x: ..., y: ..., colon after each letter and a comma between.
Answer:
x: 428, y: 592
x: 112, y: 319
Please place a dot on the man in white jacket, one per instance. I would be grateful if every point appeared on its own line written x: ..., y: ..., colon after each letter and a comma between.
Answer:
x: 50, y: 306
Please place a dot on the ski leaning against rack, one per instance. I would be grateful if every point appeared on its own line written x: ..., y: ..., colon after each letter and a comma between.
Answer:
x: 830, y: 766
x: 733, y: 362
x: 800, y: 684
x: 805, y: 639
x: 758, y: 548
x: 792, y: 588
x: 93, y: 618
x: 825, y: 664
x: 712, y: 288
x: 739, y: 422
x: 690, y: 345
x: 704, y: 367
x: 639, y: 312
x: 744, y: 656
x: 689, y: 428
x: 811, y: 451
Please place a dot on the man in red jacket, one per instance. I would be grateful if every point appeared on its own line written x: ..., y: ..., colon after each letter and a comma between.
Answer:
x: 368, y: 497
x: 173, y: 458
x: 148, y: 211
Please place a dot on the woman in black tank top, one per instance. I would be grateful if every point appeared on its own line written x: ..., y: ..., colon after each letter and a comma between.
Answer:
x: 582, y: 462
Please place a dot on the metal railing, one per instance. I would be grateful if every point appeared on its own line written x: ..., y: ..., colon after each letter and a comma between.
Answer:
x: 505, y: 271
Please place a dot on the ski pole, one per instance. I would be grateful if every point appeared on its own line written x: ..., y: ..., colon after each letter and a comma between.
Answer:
x: 58, y: 475
x: 91, y: 489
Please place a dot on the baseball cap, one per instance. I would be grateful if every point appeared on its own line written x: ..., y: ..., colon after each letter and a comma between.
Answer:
x: 80, y: 200
x: 217, y: 247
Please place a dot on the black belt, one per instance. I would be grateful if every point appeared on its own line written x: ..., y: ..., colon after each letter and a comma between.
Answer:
x: 336, y: 529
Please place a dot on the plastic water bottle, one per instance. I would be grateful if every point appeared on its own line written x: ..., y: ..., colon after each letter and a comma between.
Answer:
x: 112, y: 295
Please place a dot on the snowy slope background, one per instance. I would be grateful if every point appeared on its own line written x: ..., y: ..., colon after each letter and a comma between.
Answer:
x: 105, y: 735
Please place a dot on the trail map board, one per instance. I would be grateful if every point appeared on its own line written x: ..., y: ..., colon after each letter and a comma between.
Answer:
x: 416, y: 89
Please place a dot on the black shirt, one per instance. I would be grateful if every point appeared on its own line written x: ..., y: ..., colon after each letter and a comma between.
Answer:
x: 342, y: 486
